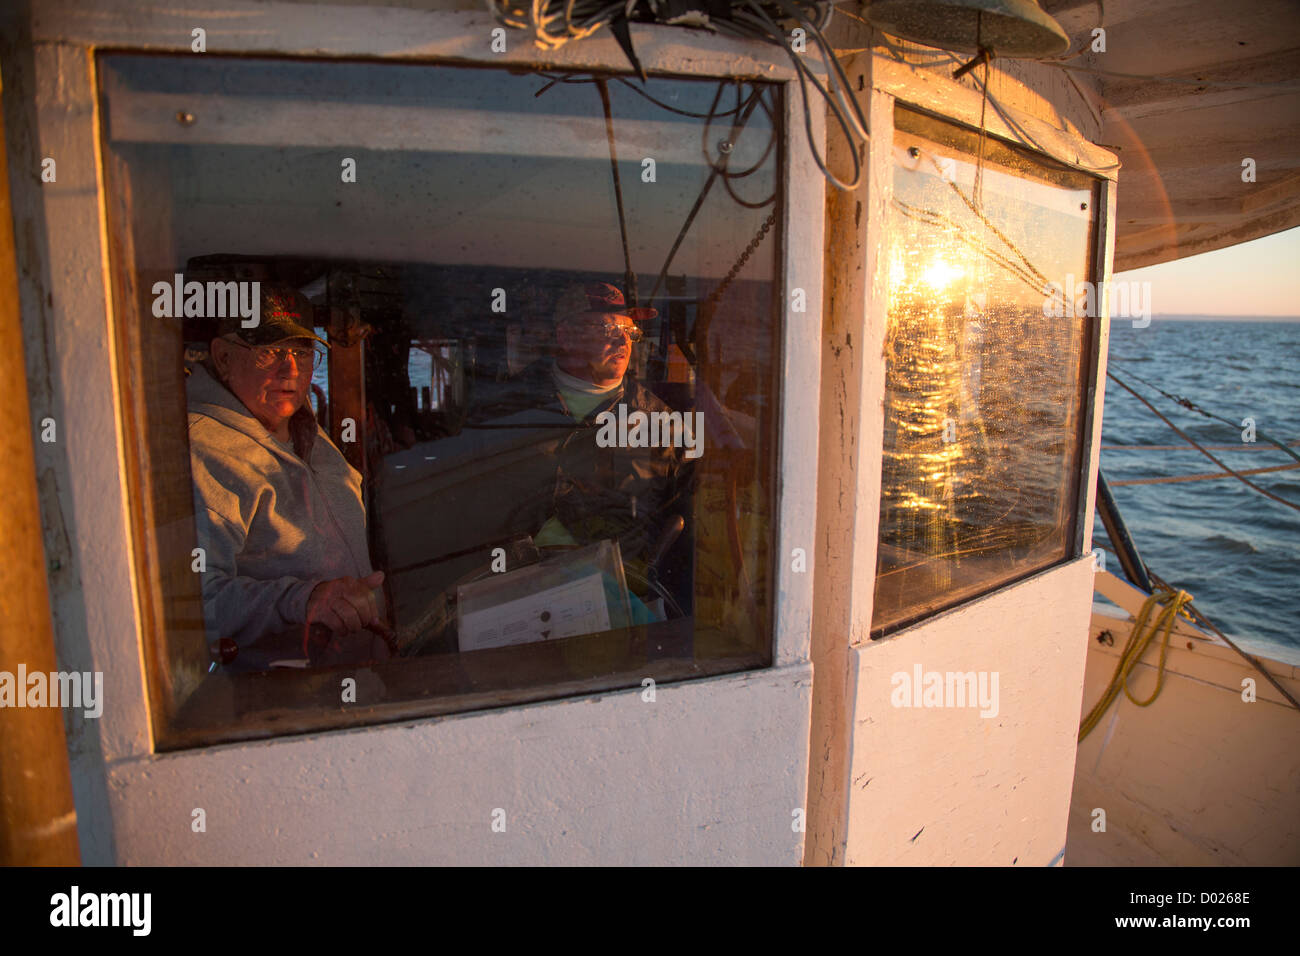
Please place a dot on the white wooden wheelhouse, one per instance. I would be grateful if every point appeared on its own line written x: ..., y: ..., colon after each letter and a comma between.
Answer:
x: 805, y: 761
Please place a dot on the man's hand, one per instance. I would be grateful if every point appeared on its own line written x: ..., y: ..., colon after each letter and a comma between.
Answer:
x: 345, y: 604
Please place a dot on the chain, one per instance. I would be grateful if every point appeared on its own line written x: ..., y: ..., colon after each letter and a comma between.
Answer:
x: 716, y: 294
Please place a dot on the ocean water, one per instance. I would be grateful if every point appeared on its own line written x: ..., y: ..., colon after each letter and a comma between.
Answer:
x: 1236, y: 551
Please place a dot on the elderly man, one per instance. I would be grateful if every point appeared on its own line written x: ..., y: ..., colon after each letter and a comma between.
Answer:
x: 590, y: 491
x: 278, y: 509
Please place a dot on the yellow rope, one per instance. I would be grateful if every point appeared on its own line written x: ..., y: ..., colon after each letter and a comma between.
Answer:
x: 1171, y: 604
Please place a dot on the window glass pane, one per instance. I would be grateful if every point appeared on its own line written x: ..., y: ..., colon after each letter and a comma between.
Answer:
x: 984, y: 394
x: 564, y: 493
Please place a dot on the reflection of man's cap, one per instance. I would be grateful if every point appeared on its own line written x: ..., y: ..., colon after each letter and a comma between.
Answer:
x: 285, y: 314
x: 601, y: 298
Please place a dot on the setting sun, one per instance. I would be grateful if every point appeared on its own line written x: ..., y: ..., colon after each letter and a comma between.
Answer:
x: 940, y: 274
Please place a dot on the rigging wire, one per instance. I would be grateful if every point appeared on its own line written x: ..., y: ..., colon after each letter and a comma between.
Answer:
x: 958, y: 234
x: 1292, y: 444
x: 977, y: 189
x: 1187, y: 438
x: 714, y: 173
x: 970, y: 204
x: 1030, y: 274
x: 1204, y: 621
x: 1207, y: 476
x: 629, y: 277
x: 1192, y: 406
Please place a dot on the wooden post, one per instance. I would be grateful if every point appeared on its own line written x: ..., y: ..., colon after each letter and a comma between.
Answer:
x: 347, y: 369
x: 38, y: 822
x: 848, y: 472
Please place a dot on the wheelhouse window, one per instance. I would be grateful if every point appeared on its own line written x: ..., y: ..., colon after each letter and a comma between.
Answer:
x: 544, y: 400
x: 988, y: 338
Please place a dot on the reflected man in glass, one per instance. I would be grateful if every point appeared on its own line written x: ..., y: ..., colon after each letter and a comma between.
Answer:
x: 278, y: 510
x: 588, y: 490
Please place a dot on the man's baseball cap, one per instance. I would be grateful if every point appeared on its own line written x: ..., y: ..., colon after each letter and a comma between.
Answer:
x: 285, y: 314
x: 598, y: 298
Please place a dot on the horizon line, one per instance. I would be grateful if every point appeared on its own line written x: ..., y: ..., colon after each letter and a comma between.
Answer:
x: 1202, y: 315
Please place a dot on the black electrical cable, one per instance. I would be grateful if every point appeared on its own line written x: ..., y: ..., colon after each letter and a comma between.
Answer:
x: 630, y: 85
x: 721, y: 168
x: 767, y: 150
x: 804, y: 75
x: 749, y: 19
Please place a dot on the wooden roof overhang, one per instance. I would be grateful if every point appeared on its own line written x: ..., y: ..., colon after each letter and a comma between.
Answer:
x: 1229, y: 91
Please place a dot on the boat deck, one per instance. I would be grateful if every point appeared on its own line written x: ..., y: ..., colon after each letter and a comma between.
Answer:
x: 1201, y: 776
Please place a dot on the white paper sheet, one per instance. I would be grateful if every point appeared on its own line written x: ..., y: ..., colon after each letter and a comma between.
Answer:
x: 578, y: 607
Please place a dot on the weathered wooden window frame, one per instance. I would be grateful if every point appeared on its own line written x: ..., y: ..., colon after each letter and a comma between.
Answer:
x: 124, y: 618
x: 893, y: 85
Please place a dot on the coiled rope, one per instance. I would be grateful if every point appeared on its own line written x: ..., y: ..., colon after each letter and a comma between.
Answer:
x: 1171, y: 603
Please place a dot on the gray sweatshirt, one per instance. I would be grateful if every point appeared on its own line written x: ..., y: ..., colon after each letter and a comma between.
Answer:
x: 273, y: 526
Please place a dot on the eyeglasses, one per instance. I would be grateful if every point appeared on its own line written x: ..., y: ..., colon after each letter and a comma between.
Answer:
x: 270, y: 356
x: 613, y: 330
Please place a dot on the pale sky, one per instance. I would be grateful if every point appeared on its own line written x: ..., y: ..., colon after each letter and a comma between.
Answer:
x: 1258, y: 278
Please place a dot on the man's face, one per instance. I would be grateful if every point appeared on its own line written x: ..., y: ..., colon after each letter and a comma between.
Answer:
x: 274, y: 393
x: 585, y: 343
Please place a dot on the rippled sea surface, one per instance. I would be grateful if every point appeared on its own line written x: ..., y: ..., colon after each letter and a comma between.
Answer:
x: 1235, y: 550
